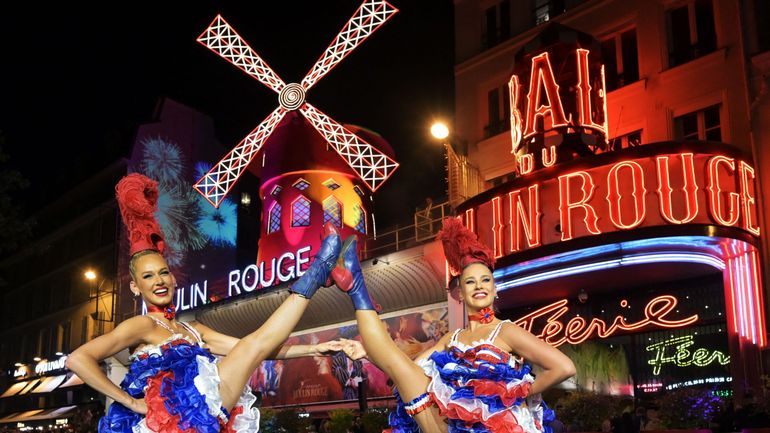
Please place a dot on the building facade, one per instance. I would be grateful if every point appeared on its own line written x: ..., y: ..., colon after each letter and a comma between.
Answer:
x: 570, y: 214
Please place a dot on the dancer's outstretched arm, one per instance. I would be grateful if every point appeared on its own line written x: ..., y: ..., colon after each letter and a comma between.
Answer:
x: 556, y: 365
x: 222, y: 344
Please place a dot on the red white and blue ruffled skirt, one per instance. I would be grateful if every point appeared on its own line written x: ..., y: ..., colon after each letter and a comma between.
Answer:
x: 180, y: 384
x: 481, y: 389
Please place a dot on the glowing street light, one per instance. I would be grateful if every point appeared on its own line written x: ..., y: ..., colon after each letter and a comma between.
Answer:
x: 439, y: 130
x: 90, y: 275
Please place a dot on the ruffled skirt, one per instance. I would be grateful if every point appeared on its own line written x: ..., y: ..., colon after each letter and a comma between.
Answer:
x: 478, y: 398
x: 181, y: 388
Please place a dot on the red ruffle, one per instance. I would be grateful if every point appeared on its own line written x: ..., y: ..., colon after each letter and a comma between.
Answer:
x: 490, y: 387
x: 473, y: 355
x: 158, y: 419
x: 501, y: 422
x: 228, y: 428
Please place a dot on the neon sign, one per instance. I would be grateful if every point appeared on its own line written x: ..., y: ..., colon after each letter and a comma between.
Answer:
x: 682, y: 356
x: 664, y: 189
x: 577, y: 329
x: 45, y: 367
x: 545, y: 109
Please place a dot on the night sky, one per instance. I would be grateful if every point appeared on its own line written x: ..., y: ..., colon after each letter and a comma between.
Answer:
x: 74, y: 88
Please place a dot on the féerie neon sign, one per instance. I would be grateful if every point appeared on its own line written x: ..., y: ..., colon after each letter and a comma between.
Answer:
x: 662, y: 189
x: 578, y: 330
x: 682, y: 356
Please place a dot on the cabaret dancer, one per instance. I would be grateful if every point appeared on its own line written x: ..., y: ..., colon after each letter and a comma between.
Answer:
x: 474, y: 379
x: 174, y: 382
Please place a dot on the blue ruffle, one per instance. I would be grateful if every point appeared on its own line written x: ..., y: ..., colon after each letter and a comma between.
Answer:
x: 399, y: 420
x: 181, y: 396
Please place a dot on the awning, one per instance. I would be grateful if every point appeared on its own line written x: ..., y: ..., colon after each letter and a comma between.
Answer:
x: 32, y: 383
x: 20, y: 416
x: 39, y: 414
x: 49, y: 384
x: 74, y: 380
x: 14, y: 389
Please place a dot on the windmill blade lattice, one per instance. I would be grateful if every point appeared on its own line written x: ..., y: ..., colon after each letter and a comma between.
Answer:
x: 372, y: 166
x: 369, y: 16
x: 223, y: 40
x: 217, y: 183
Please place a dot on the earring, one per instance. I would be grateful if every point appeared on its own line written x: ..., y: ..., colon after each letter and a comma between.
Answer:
x: 136, y: 295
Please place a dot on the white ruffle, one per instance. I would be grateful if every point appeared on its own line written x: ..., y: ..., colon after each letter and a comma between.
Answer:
x: 141, y: 427
x: 207, y: 383
x: 443, y: 393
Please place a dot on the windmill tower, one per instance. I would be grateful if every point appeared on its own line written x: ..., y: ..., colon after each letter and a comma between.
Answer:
x: 303, y: 184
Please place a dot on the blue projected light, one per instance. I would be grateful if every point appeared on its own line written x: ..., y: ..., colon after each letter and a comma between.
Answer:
x: 218, y: 225
x: 629, y: 255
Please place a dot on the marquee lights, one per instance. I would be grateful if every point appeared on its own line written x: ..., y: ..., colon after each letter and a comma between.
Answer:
x: 577, y: 329
x: 682, y: 356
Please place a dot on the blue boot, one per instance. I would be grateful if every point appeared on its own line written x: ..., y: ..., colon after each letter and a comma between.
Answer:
x: 319, y: 271
x: 349, y: 278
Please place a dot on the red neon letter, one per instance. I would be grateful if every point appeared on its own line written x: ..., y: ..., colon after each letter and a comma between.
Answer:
x: 690, y: 188
x: 529, y: 221
x: 614, y: 195
x: 749, y: 202
x: 566, y: 204
x: 526, y: 163
x: 548, y: 156
x: 584, y: 95
x: 497, y: 227
x: 542, y: 77
x: 470, y: 220
x: 514, y: 88
x: 716, y: 207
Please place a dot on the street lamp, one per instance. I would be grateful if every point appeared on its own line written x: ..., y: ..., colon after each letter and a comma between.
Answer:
x: 91, y: 275
x: 439, y: 130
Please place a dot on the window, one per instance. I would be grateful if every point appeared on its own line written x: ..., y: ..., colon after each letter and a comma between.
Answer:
x: 546, y: 9
x: 498, y: 109
x: 761, y: 17
x: 66, y: 336
x: 274, y: 220
x: 301, y: 184
x: 632, y: 139
x: 496, y: 25
x: 358, y: 190
x: 621, y: 60
x: 331, y: 184
x: 699, y: 125
x: 300, y: 212
x: 361, y: 219
x: 691, y: 32
x: 332, y: 211
x: 277, y: 190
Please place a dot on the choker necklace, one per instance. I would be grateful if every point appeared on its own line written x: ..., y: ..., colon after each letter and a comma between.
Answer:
x: 169, y: 311
x: 485, y: 315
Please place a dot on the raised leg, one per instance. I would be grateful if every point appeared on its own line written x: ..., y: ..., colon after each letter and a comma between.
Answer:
x: 243, y: 359
x: 380, y: 348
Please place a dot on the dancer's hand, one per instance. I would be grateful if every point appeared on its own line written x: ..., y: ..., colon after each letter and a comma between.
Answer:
x: 138, y: 405
x: 329, y: 347
x: 353, y: 349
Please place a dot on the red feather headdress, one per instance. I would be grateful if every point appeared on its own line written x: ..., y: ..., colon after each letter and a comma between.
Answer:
x: 137, y: 197
x: 462, y: 247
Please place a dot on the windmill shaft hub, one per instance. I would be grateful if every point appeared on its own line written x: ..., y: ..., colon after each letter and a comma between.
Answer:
x: 292, y: 96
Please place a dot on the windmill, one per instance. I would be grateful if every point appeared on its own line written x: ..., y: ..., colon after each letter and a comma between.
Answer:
x: 304, y: 185
x: 371, y: 165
